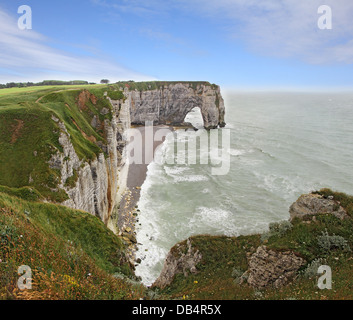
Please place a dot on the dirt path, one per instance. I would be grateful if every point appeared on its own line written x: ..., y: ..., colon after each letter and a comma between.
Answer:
x: 40, y: 98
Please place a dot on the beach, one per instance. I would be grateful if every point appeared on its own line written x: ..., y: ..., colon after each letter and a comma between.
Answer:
x: 128, y: 211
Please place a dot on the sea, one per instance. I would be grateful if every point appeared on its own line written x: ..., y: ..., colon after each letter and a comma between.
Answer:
x: 282, y: 144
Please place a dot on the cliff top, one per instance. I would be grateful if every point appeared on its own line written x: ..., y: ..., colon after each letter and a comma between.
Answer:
x: 29, y: 136
x: 156, y: 85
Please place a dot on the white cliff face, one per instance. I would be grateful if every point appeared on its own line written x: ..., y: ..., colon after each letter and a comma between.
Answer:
x: 99, y: 184
x: 171, y: 103
x: 97, y: 181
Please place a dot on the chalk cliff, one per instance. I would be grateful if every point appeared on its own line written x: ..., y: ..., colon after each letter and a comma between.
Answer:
x: 100, y: 183
x: 170, y: 102
x: 96, y: 185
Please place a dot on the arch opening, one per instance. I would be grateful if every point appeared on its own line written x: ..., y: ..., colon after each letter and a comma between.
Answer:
x: 194, y: 116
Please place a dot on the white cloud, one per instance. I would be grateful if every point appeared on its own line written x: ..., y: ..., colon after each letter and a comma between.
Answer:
x: 285, y: 28
x: 26, y: 56
x: 279, y: 28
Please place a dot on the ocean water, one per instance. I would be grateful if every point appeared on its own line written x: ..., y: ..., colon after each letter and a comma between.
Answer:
x: 281, y: 146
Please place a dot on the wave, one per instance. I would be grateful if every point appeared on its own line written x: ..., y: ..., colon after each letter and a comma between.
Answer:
x: 272, y: 161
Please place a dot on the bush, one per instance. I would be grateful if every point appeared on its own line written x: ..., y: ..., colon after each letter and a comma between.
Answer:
x: 239, y: 276
x: 277, y: 229
x: 327, y: 242
x: 311, y: 270
x: 280, y: 228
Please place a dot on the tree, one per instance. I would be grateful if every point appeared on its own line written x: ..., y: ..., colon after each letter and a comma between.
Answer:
x: 105, y: 81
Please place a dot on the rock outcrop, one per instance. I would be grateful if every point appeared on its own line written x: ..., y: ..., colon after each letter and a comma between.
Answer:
x: 311, y: 204
x: 179, y: 260
x: 171, y: 102
x: 271, y: 268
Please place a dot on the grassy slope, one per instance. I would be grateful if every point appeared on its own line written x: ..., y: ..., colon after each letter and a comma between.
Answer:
x: 222, y: 255
x: 71, y: 253
x: 28, y: 136
x: 7, y: 91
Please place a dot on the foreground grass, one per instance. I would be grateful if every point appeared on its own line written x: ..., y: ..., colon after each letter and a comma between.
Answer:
x: 224, y: 257
x: 72, y: 254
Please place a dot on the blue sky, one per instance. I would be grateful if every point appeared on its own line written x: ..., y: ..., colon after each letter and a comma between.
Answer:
x: 241, y: 44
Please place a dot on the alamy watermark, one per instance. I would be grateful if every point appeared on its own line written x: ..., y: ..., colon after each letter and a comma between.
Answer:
x: 325, y: 281
x: 208, y: 147
x: 325, y: 20
x: 25, y: 20
x: 25, y: 279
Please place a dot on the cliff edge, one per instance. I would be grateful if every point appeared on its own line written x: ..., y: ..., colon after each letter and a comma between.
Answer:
x: 68, y: 144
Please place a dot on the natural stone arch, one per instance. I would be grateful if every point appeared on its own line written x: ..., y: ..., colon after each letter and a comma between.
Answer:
x: 198, y: 122
x: 170, y: 104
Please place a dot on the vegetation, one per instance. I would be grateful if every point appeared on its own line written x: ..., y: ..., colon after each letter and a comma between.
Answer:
x: 71, y: 253
x: 323, y: 240
x: 43, y: 83
x: 74, y: 256
x: 29, y: 136
x: 156, y: 85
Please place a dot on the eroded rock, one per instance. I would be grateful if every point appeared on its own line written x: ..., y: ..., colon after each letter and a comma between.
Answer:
x: 178, y: 262
x: 271, y: 268
x: 312, y: 204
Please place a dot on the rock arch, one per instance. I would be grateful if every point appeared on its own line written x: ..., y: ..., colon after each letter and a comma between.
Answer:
x: 170, y: 103
x: 197, y: 120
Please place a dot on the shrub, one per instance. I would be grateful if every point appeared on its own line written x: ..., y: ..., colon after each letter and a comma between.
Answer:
x: 311, y: 270
x: 277, y: 229
x: 239, y: 276
x: 327, y: 242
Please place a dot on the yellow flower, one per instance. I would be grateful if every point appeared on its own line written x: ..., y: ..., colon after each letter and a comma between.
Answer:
x: 70, y: 280
x: 196, y: 282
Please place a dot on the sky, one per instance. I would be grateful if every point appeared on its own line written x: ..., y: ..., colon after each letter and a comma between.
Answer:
x: 238, y: 44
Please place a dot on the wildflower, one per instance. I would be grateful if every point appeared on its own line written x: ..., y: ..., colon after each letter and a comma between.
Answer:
x: 196, y: 282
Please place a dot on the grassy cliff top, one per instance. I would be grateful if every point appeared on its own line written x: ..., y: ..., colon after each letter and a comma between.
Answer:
x: 156, y: 85
x: 29, y: 136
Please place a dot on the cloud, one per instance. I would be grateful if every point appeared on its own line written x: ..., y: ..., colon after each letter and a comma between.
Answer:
x: 285, y: 29
x: 26, y: 56
x: 137, y: 7
x: 277, y: 28
x: 150, y: 13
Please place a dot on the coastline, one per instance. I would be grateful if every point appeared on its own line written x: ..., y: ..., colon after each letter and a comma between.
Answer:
x: 135, y: 177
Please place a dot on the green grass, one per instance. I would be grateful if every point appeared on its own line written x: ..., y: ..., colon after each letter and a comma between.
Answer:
x: 154, y: 85
x: 23, y: 90
x: 223, y: 255
x: 60, y: 244
x: 29, y: 137
x: 25, y: 193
